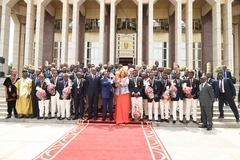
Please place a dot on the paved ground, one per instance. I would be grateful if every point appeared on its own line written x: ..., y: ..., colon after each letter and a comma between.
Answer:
x: 23, y: 141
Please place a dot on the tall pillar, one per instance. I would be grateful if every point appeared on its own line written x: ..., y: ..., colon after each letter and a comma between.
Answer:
x: 236, y: 51
x: 40, y: 32
x: 5, y: 28
x: 178, y: 31
x: 22, y: 47
x: 216, y: 18
x: 139, y: 32
x: 102, y: 58
x: 75, y: 29
x: 228, y: 34
x: 30, y: 19
x: 65, y: 28
x: 16, y: 42
x: 112, y: 32
x: 150, y: 33
x: 189, y: 34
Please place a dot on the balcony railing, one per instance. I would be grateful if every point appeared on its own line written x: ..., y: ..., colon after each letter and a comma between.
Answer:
x: 160, y: 24
x: 126, y: 24
x: 92, y: 24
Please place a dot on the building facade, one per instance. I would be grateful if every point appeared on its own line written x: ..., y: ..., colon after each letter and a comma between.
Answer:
x: 190, y: 33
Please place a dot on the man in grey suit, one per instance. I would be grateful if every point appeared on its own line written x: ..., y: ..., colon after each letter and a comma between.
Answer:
x: 206, y: 98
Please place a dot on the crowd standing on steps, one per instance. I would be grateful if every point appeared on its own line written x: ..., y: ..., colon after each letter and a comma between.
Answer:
x: 132, y: 93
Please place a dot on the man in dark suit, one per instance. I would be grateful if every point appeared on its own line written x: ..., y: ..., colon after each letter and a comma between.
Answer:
x: 34, y: 97
x: 178, y: 100
x: 206, y: 98
x: 79, y: 95
x: 107, y: 95
x: 164, y: 105
x: 93, y: 91
x: 135, y: 88
x: 225, y: 73
x: 225, y: 90
x: 154, y: 102
x: 192, y: 98
x: 48, y: 73
x: 55, y: 95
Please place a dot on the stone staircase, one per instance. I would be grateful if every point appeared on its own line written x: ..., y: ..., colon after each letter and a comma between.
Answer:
x: 227, y: 121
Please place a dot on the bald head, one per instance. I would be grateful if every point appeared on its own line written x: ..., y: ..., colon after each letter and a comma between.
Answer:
x: 203, y: 79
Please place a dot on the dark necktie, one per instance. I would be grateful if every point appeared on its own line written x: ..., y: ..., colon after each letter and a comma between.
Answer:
x: 190, y: 82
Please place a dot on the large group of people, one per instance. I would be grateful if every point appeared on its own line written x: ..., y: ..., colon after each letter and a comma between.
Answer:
x: 128, y: 93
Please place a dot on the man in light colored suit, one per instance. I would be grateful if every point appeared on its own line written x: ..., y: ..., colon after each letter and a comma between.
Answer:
x: 206, y: 98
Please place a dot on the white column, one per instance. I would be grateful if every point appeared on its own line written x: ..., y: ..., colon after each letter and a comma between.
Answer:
x: 236, y: 51
x: 5, y: 28
x: 112, y: 32
x: 16, y: 42
x: 40, y: 32
x: 189, y: 34
x: 65, y: 28
x: 75, y: 30
x: 101, y: 32
x: 216, y: 20
x: 30, y: 19
x: 178, y: 32
x: 150, y: 33
x: 228, y: 35
x: 139, y: 32
x: 22, y: 47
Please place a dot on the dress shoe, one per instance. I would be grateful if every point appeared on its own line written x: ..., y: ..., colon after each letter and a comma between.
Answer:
x: 209, y: 128
x: 221, y: 117
x: 75, y: 118
x: 162, y: 120
x: 45, y: 118
x: 40, y: 117
x: 89, y: 118
x: 62, y: 118
x: 202, y: 126
x: 132, y: 119
x: 195, y: 122
x: 237, y: 120
x: 68, y: 118
x: 33, y: 117
x: 21, y: 116
x: 8, y: 116
x: 149, y: 120
x: 59, y: 118
x: 174, y: 122
x: 166, y: 120
x: 157, y: 121
x: 180, y: 121
x: 15, y: 115
x: 187, y: 122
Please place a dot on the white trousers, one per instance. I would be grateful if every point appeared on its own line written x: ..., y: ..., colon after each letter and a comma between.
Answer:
x: 174, y: 106
x: 164, y: 106
x: 145, y: 106
x: 170, y: 108
x: 191, y: 104
x: 65, y: 108
x: 55, y: 105
x: 43, y: 108
x: 137, y: 102
x: 155, y: 108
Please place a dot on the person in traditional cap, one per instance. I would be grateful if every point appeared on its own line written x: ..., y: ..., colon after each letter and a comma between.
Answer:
x: 24, y: 101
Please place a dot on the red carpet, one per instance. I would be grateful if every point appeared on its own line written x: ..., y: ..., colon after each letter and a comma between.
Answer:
x: 107, y: 142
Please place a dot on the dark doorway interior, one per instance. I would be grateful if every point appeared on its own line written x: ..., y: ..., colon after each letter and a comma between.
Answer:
x: 125, y: 61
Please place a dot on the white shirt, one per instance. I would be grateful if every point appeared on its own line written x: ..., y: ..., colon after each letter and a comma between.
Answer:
x: 222, y: 81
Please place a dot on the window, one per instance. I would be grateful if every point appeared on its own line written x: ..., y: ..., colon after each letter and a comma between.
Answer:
x: 91, y: 54
x: 197, y: 55
x: 160, y: 53
x: 57, y: 52
x: 160, y: 24
x: 92, y: 24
